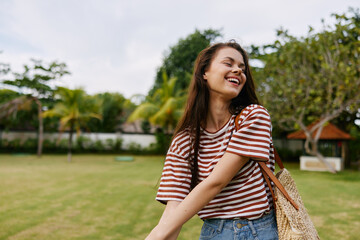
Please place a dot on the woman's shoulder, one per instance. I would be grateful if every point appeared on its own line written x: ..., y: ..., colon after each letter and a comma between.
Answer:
x: 181, y: 135
x: 254, y: 106
x: 180, y: 144
x: 254, y: 109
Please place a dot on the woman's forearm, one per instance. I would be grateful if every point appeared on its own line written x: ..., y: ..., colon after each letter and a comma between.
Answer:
x: 202, y: 194
x: 193, y: 203
x: 169, y: 209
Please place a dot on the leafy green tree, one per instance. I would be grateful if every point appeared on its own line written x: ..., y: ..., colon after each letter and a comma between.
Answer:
x: 7, y: 95
x: 112, y: 112
x: 34, y: 85
x: 179, y: 60
x: 313, y: 78
x: 75, y: 109
x: 4, y: 68
x: 11, y: 106
x: 164, y: 108
x: 24, y: 116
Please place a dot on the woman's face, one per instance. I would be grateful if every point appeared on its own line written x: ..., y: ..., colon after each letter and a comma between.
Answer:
x: 226, y: 74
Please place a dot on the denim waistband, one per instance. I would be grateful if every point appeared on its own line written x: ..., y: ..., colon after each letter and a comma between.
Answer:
x: 240, y: 223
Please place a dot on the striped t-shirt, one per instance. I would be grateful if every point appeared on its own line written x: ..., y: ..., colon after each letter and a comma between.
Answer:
x: 246, y: 195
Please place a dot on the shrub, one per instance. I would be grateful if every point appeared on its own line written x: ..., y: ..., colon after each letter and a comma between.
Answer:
x: 15, y: 144
x: 62, y: 144
x: 30, y: 144
x: 162, y: 142
x: 287, y: 155
x: 4, y: 143
x: 83, y: 143
x: 109, y: 144
x: 118, y: 144
x: 354, y: 149
x: 98, y: 146
x: 134, y: 148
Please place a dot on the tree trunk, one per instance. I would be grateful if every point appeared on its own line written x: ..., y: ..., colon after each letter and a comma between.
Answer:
x: 70, y: 140
x: 322, y: 159
x: 41, y: 128
x: 315, y: 152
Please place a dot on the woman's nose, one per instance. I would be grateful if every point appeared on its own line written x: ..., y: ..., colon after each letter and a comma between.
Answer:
x: 237, y: 70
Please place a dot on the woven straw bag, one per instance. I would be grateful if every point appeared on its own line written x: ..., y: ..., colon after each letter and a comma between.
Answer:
x: 293, y: 221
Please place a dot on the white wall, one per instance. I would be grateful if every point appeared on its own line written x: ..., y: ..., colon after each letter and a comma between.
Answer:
x: 143, y: 139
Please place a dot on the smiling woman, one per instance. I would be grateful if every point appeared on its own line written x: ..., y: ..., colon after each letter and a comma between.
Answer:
x: 210, y: 168
x: 227, y: 65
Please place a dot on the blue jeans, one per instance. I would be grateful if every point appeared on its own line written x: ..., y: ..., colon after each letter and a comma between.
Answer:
x: 264, y: 228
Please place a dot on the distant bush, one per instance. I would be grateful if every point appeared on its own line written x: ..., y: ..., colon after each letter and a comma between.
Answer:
x: 287, y: 155
x: 354, y: 144
x: 15, y: 144
x: 30, y: 144
x: 161, y: 145
x: 98, y: 146
x: 134, y: 148
x: 118, y: 144
x: 63, y: 144
x: 83, y: 143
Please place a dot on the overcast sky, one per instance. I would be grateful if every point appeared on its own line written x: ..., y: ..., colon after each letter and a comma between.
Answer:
x: 117, y: 45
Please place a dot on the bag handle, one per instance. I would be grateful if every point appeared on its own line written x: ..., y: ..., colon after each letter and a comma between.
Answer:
x: 268, y: 174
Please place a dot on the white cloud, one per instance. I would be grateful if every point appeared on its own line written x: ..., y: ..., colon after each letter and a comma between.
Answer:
x: 117, y: 45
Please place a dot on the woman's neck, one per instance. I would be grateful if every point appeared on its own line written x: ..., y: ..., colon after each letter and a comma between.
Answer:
x: 218, y: 114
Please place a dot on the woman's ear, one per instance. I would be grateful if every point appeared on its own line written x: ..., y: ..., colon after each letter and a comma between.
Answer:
x: 204, y: 76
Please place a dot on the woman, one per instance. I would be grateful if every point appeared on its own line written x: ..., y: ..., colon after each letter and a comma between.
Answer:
x: 211, y: 167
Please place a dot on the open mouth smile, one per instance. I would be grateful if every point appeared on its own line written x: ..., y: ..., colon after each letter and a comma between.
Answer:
x: 233, y: 80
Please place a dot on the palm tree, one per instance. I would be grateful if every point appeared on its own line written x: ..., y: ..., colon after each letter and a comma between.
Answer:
x: 24, y: 102
x: 35, y: 79
x: 74, y: 110
x: 164, y: 108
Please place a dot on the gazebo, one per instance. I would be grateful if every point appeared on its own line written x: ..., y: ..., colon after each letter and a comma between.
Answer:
x: 332, y: 144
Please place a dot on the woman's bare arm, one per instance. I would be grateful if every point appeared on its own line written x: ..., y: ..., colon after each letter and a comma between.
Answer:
x: 169, y: 209
x: 199, y: 197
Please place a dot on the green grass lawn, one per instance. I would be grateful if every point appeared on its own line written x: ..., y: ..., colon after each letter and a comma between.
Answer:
x: 96, y: 197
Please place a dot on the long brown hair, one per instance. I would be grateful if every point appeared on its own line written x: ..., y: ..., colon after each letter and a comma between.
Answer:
x: 197, y: 103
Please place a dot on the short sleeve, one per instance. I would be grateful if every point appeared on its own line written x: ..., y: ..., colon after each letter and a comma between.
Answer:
x: 176, y: 176
x: 253, y: 137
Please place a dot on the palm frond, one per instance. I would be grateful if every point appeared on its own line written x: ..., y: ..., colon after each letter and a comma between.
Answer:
x: 143, y: 111
x: 15, y: 105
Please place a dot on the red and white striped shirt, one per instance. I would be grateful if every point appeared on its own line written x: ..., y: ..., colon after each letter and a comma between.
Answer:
x: 246, y: 195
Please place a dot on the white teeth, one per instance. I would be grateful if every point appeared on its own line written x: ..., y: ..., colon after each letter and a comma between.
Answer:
x: 234, y: 80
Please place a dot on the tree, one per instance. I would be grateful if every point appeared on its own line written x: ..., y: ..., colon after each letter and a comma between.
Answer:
x: 11, y: 108
x: 112, y: 112
x: 4, y: 68
x: 314, y: 78
x: 34, y: 85
x: 75, y: 109
x: 164, y: 108
x: 179, y: 61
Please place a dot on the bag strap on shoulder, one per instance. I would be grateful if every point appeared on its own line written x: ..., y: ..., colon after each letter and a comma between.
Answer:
x: 268, y: 174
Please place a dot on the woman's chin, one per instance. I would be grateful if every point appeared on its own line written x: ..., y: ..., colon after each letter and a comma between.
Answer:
x: 233, y: 94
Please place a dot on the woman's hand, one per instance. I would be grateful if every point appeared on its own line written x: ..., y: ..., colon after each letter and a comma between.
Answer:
x: 159, y: 233
x: 155, y: 234
x: 162, y: 233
